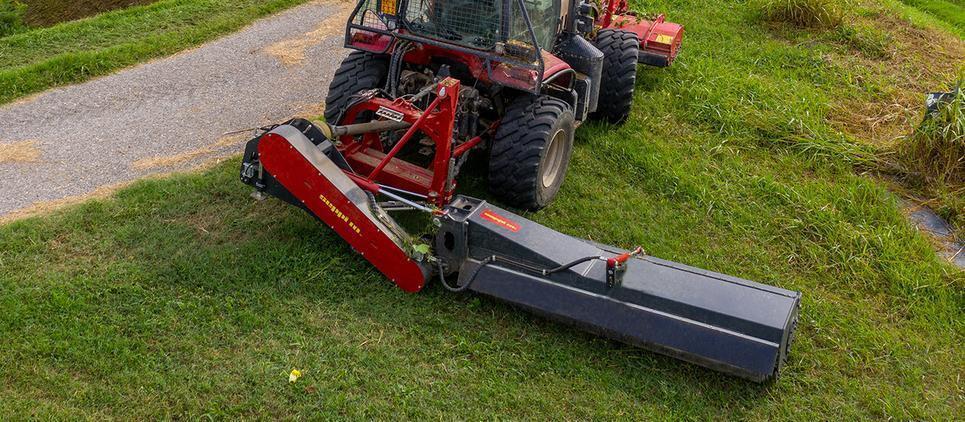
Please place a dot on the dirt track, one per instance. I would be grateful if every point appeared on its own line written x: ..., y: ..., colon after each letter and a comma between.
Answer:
x: 167, y: 115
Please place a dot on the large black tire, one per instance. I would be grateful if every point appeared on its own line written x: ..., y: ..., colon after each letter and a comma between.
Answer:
x: 531, y: 151
x: 620, y: 50
x: 359, y: 71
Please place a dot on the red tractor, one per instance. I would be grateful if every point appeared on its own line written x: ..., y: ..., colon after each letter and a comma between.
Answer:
x: 432, y: 81
x: 529, y: 73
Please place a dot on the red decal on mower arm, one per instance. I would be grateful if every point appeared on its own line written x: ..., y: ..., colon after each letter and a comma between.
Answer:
x: 500, y: 221
x: 326, y: 191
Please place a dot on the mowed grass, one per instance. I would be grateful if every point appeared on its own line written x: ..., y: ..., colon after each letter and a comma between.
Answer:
x: 949, y: 11
x: 184, y: 298
x: 76, y: 51
x: 50, y: 12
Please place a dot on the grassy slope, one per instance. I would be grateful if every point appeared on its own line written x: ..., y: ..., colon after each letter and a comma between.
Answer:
x: 77, y: 51
x: 51, y: 12
x: 185, y: 297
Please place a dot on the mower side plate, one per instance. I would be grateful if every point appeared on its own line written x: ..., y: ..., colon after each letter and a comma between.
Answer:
x: 331, y: 196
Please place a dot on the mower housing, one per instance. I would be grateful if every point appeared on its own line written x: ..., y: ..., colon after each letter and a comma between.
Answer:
x: 714, y: 320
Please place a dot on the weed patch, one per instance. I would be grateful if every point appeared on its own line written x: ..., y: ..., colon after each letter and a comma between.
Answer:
x: 935, y: 152
x: 868, y: 40
x: 804, y: 13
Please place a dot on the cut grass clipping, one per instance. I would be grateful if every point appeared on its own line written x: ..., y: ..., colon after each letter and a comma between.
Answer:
x: 37, y: 59
x: 803, y: 13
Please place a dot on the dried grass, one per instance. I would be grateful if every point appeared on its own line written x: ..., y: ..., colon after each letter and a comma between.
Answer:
x: 19, y: 152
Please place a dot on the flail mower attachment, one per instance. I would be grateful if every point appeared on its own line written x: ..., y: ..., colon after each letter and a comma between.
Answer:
x: 714, y: 320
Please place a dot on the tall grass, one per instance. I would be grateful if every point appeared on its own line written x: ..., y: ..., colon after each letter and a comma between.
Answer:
x: 932, y: 159
x: 804, y: 13
x: 935, y: 152
x: 11, y: 17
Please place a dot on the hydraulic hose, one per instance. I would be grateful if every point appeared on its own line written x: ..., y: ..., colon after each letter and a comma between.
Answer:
x: 464, y: 287
x: 493, y: 258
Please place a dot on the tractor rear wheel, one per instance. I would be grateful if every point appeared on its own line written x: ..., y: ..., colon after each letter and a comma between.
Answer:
x: 359, y: 71
x: 531, y: 151
x: 620, y: 50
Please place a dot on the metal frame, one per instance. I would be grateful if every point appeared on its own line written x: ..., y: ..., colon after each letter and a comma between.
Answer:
x: 374, y: 167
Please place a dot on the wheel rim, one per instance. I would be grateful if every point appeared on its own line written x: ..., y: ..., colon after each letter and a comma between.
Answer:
x: 553, y: 164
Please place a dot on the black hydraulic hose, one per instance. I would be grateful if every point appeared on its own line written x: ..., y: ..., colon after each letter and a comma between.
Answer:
x: 464, y: 287
x: 395, y: 68
x: 572, y: 264
x: 493, y: 258
x: 545, y: 271
x: 390, y: 84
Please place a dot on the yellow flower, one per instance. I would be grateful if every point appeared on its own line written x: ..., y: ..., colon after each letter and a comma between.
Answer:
x: 294, y: 375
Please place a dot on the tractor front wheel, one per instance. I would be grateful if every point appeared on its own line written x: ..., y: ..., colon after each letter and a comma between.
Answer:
x: 620, y: 50
x: 359, y: 71
x: 531, y: 151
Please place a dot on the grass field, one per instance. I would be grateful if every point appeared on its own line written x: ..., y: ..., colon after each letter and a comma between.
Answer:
x: 949, y: 11
x: 72, y: 52
x: 753, y: 156
x: 51, y: 12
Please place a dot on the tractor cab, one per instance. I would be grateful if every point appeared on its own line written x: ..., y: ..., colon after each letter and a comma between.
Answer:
x: 482, y: 25
x: 485, y: 24
x: 527, y: 45
x: 498, y: 41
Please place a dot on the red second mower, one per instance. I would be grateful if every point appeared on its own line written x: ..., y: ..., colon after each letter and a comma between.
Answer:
x: 432, y: 83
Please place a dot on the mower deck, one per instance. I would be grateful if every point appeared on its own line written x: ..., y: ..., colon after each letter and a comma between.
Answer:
x: 729, y: 324
x: 714, y: 320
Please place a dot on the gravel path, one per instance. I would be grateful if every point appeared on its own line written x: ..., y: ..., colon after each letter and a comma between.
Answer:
x: 167, y: 115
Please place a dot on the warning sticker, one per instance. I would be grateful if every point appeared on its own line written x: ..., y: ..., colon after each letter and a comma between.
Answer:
x: 664, y: 39
x: 500, y: 221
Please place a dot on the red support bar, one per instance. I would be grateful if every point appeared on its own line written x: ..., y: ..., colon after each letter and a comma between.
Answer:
x: 363, y: 183
x: 470, y: 144
x: 466, y: 146
x: 405, y: 138
x: 436, y: 122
